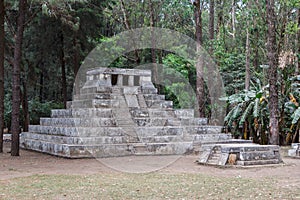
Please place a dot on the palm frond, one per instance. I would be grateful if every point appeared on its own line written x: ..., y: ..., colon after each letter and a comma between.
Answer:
x: 256, y: 108
x: 296, y: 116
x: 246, y: 113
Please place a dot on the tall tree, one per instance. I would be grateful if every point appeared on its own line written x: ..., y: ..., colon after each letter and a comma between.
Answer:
x: 273, y: 62
x: 153, y: 43
x: 2, y: 35
x: 211, y: 25
x: 233, y: 18
x: 297, y: 42
x: 15, y: 122
x: 128, y: 27
x: 63, y: 69
x: 247, y: 77
x: 200, y: 91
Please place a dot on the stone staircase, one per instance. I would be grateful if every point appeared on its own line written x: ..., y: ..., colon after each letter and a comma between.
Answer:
x: 215, y: 156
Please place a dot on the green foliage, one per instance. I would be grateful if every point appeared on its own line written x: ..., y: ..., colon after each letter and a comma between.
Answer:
x: 38, y: 109
x: 296, y: 116
x: 249, y: 107
x: 183, y: 73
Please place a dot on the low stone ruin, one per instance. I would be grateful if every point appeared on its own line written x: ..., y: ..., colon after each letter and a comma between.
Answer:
x: 295, y: 150
x: 118, y: 112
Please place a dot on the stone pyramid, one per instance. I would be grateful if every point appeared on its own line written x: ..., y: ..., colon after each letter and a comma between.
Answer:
x: 117, y: 113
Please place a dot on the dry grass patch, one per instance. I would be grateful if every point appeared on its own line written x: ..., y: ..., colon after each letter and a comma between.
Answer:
x: 140, y: 186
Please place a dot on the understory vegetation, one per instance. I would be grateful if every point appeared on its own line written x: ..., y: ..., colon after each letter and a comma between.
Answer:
x: 255, y: 45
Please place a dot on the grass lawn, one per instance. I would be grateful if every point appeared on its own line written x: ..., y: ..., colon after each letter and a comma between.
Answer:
x: 142, y: 186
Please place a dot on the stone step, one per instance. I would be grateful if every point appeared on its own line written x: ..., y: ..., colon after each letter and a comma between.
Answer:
x: 154, y: 97
x: 215, y: 157
x: 259, y: 162
x: 77, y: 151
x: 149, y: 90
x: 75, y: 140
x: 212, y: 162
x: 156, y: 122
x: 159, y: 104
x: 106, y: 150
x: 171, y: 148
x: 100, y: 89
x: 78, y: 122
x: 139, y: 112
x: 238, y: 147
x: 184, y: 113
x: 158, y: 131
x: 79, y: 112
x: 162, y: 139
x: 141, y: 101
x: 204, y: 138
x: 193, y: 121
x: 154, y: 112
x: 204, y: 129
x: 77, y: 131
x: 161, y: 113
x: 95, y: 103
x: 257, y: 155
x: 91, y: 96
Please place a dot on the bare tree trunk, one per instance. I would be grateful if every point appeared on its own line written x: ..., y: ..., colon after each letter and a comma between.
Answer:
x: 127, y: 26
x: 248, y: 73
x: 298, y: 43
x: 247, y: 78
x: 233, y: 18
x: 24, y: 99
x: 200, y: 90
x: 15, y: 122
x: 153, y: 44
x: 63, y: 70
x: 211, y: 25
x: 273, y: 62
x: 76, y: 47
x: 41, y: 86
x: 2, y: 39
x: 220, y: 17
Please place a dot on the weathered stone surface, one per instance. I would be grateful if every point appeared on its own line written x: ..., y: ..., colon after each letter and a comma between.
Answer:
x: 244, y: 153
x: 295, y: 150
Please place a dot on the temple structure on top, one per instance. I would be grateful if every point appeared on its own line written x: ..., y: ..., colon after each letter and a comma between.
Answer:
x: 118, y: 112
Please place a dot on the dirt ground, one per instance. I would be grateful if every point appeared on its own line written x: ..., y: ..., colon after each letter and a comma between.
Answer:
x: 33, y: 163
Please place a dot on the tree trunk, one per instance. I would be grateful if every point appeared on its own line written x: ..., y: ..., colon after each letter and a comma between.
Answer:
x: 233, y: 18
x: 200, y: 91
x: 76, y: 47
x: 63, y: 70
x: 2, y: 39
x: 298, y: 43
x: 15, y: 122
x: 273, y: 62
x: 247, y: 78
x: 220, y: 17
x: 41, y: 95
x: 127, y: 26
x: 25, y: 106
x: 211, y: 24
x: 153, y: 45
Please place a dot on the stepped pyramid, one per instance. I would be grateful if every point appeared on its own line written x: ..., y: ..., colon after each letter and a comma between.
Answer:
x: 118, y: 112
